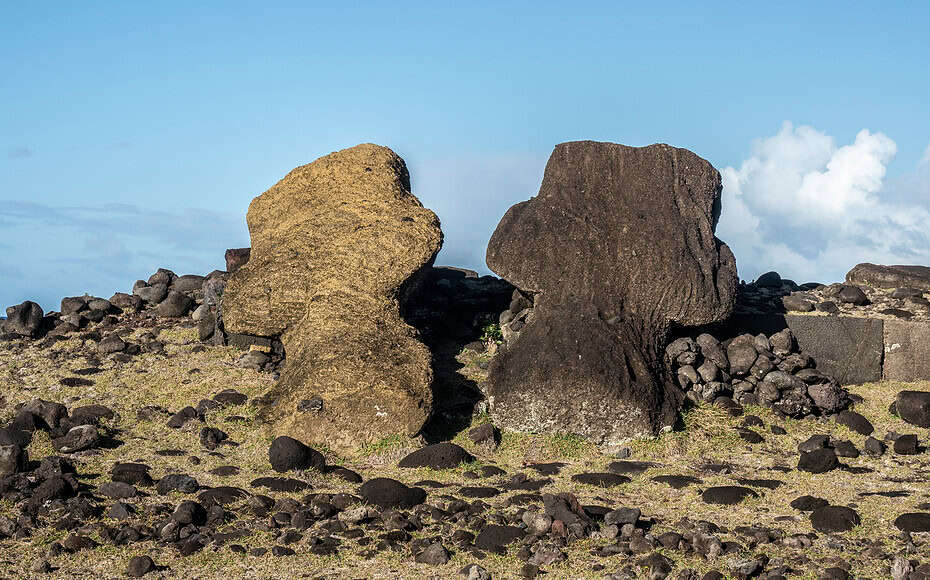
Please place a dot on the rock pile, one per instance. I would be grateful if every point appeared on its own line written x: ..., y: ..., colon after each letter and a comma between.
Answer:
x: 869, y: 291
x: 755, y: 370
x: 618, y: 245
x: 337, y: 247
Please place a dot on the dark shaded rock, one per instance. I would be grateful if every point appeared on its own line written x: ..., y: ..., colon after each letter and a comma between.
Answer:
x: 236, y: 258
x: 582, y: 364
x: 344, y: 474
x: 818, y: 461
x: 23, y: 319
x: 174, y: 305
x: 437, y: 456
x: 600, y: 479
x: 177, y: 482
x: 727, y: 494
x: 230, y: 397
x: 495, y: 538
x: 852, y: 295
x: 391, y: 494
x: 906, y: 445
x: 222, y: 495
x: 77, y: 439
x: 917, y: 277
x: 111, y: 344
x: 434, y: 554
x: 190, y: 512
x: 808, y: 503
x: 914, y: 407
x: 131, y: 473
x: 281, y: 484
x: 117, y: 490
x: 855, y: 421
x: 91, y: 415
x: 50, y: 413
x: 485, y: 435
x: 211, y: 437
x: 769, y: 280
x: 832, y: 519
x: 798, y: 302
x: 850, y: 349
x: 913, y: 522
x: 13, y: 459
x: 77, y: 542
x: 629, y: 467
x: 677, y: 481
x: 845, y: 449
x: 622, y: 516
x: 286, y: 454
x: 139, y: 566
x: 479, y: 492
x: 874, y: 447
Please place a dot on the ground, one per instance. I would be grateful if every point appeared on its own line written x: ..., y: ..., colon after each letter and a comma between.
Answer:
x: 187, y: 373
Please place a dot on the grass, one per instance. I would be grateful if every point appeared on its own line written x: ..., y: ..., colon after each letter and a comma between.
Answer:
x: 707, y: 436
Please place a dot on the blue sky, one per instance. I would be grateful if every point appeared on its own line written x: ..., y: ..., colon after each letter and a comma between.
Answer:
x: 133, y: 135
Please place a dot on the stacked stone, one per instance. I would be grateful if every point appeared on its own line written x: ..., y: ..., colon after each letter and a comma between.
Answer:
x: 755, y: 370
x: 517, y: 315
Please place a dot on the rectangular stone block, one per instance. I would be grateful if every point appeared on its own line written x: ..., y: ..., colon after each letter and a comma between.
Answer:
x: 907, y: 351
x: 849, y: 348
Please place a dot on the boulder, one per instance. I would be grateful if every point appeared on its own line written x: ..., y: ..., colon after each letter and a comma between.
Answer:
x: 618, y: 245
x: 914, y: 407
x: 23, y: 319
x: 337, y: 247
x: 890, y: 276
x: 236, y: 258
x: 174, y: 305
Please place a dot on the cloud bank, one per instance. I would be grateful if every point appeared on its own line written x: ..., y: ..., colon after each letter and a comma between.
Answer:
x: 55, y: 251
x: 811, y: 210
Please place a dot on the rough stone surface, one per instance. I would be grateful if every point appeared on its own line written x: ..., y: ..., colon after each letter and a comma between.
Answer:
x: 286, y: 453
x: 437, y: 456
x: 23, y: 319
x: 618, y: 244
x: 907, y: 351
x: 914, y: 407
x: 890, y: 276
x: 337, y: 245
x: 847, y: 348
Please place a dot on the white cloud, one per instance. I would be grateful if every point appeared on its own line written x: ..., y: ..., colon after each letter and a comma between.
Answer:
x: 811, y: 210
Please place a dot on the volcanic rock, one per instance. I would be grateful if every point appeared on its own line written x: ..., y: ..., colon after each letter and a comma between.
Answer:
x: 611, y: 225
x: 437, y: 456
x: 23, y: 319
x: 391, y: 494
x: 286, y: 453
x: 833, y: 518
x: 337, y: 247
x: 890, y: 276
x: 914, y: 407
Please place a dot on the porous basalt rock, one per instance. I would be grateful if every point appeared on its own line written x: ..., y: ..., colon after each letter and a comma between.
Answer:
x: 618, y: 245
x: 881, y: 276
x: 337, y: 246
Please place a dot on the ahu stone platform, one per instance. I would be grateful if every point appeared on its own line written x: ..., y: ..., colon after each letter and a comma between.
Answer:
x: 854, y: 349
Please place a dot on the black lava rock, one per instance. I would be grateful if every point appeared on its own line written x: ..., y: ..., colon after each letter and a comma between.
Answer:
x: 437, y: 456
x: 286, y: 454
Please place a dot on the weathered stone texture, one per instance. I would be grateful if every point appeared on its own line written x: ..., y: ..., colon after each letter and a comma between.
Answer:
x: 336, y: 246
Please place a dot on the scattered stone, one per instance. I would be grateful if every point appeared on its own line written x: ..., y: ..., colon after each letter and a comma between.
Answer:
x: 808, y: 503
x: 913, y: 522
x: 286, y: 454
x: 914, y: 407
x: 833, y: 519
x: 23, y: 319
x: 495, y: 538
x: 177, y: 482
x: 601, y: 479
x: 434, y: 554
x: 139, y: 566
x: 391, y: 494
x: 855, y: 421
x: 727, y: 494
x: 437, y: 456
x: 77, y: 439
x: 906, y: 445
x: 677, y: 481
x: 818, y: 461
